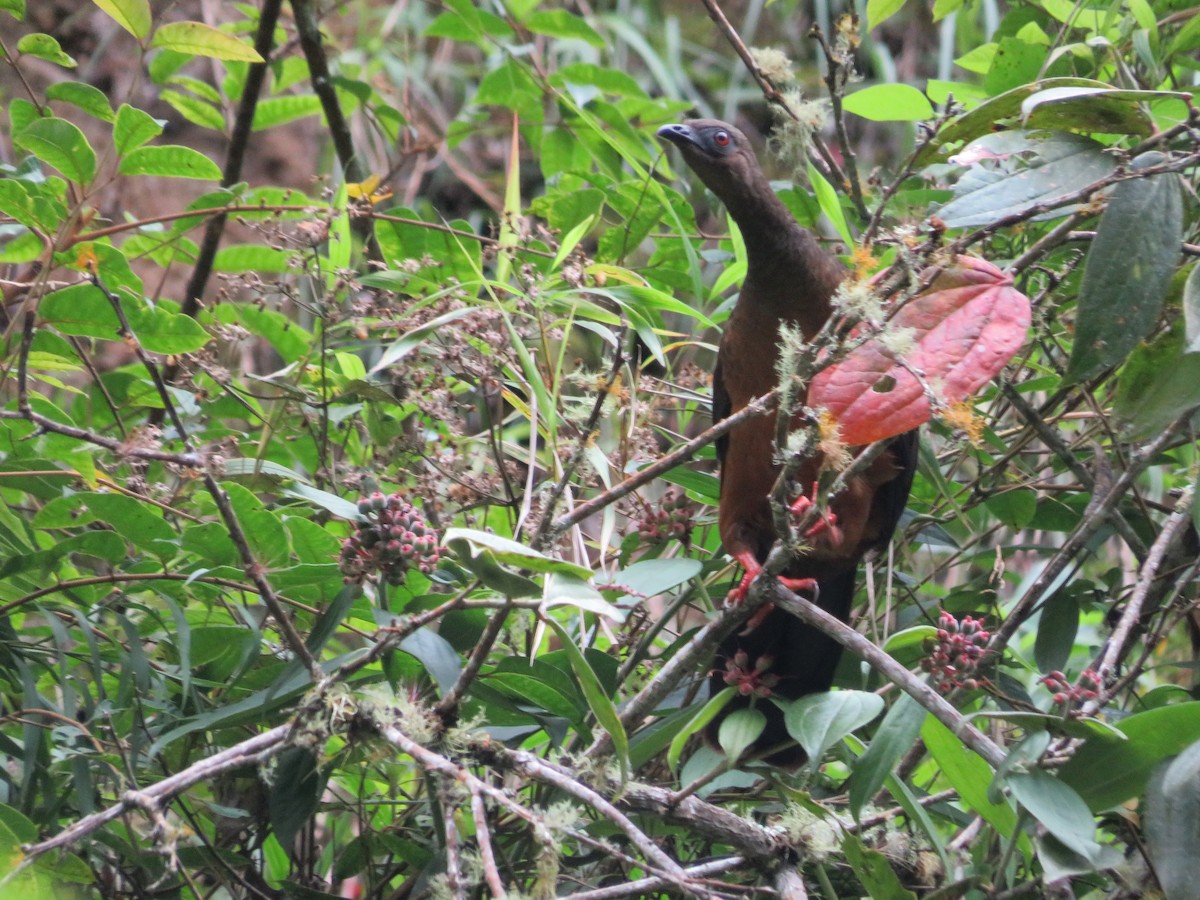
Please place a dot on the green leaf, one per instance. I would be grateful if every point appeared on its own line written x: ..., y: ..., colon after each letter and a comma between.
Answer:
x: 16, y: 8
x: 879, y: 11
x: 1171, y: 818
x: 1058, y: 807
x: 1093, y: 110
x: 133, y: 128
x: 264, y: 532
x: 968, y: 774
x: 195, y: 110
x: 535, y: 692
x: 1158, y: 383
x: 171, y: 161
x: 43, y: 46
x: 697, y: 723
x: 1015, y: 508
x: 828, y: 201
x: 295, y: 792
x: 819, y: 721
x: 1128, y: 269
x: 874, y: 871
x: 511, y: 553
x: 560, y: 23
x: 59, y: 143
x: 597, y: 698
x: 91, y: 100
x: 199, y: 39
x: 1034, y: 169
x: 1015, y: 63
x: 161, y: 331
x: 434, y: 653
x: 132, y: 15
x: 272, y: 111
x: 1057, y: 628
x: 739, y: 730
x: 889, y: 103
x: 138, y: 522
x: 1107, y: 771
x: 896, y: 735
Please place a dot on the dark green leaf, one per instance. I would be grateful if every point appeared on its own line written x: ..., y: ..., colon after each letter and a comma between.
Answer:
x: 295, y: 792
x: 1172, y: 823
x: 1057, y: 627
x: 874, y: 871
x: 1107, y: 771
x: 897, y: 734
x: 1128, y: 268
x: 819, y: 721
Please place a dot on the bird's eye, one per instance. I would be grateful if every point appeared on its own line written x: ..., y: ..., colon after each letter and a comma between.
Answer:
x: 722, y: 139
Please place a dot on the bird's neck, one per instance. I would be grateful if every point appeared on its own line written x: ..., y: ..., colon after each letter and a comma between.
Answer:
x: 788, y: 273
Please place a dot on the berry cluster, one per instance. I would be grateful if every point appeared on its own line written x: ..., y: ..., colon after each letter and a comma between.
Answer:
x: 954, y: 658
x: 390, y: 539
x: 1087, y: 688
x: 756, y: 681
x: 672, y: 519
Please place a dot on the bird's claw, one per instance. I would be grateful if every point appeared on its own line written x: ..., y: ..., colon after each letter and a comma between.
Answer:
x: 826, y: 524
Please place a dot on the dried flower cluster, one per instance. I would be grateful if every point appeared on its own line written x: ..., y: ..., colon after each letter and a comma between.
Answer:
x: 672, y: 519
x: 751, y: 681
x: 391, y: 538
x: 1087, y: 688
x: 954, y: 658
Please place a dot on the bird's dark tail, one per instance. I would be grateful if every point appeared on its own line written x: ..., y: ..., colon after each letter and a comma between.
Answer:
x: 800, y: 658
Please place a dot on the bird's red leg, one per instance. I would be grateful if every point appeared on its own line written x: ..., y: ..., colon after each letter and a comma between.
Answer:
x: 826, y: 523
x: 753, y: 569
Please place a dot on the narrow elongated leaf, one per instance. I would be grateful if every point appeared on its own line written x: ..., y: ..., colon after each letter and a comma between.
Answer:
x: 709, y: 711
x: 968, y: 774
x: 1128, y: 269
x: 896, y: 735
x: 597, y: 698
x: 963, y: 331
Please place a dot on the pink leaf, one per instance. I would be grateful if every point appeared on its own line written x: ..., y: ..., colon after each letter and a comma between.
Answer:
x: 964, y: 329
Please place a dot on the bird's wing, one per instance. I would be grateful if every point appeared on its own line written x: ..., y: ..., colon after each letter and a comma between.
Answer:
x: 720, y: 408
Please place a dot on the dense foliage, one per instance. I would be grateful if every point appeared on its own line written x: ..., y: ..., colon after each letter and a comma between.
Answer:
x: 359, y: 535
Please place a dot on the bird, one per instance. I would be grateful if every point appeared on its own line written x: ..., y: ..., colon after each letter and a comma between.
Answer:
x: 790, y: 280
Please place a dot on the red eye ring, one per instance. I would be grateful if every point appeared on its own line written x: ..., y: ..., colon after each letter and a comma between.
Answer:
x: 722, y: 139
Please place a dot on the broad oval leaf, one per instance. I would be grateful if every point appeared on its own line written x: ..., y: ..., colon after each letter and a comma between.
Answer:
x: 964, y: 330
x: 199, y: 39
x: 1172, y: 822
x: 171, y: 161
x: 1128, y: 269
x: 819, y: 721
x: 889, y: 103
x: 1107, y: 771
x: 62, y: 145
x: 132, y: 15
x: 1057, y: 806
x: 739, y: 730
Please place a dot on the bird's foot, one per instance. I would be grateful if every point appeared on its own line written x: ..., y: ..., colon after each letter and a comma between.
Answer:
x: 826, y: 524
x: 753, y: 569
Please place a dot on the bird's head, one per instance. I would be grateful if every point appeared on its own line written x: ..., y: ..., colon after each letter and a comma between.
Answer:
x: 719, y: 153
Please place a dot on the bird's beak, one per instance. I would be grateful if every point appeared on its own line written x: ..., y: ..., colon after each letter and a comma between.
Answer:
x: 680, y: 135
